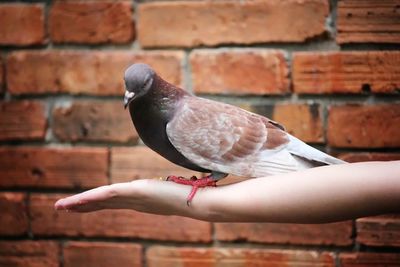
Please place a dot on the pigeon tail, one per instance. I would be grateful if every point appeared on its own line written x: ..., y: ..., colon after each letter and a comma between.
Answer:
x: 310, y: 154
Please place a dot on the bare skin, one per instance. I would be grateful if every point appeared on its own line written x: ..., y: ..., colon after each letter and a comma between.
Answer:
x: 318, y: 195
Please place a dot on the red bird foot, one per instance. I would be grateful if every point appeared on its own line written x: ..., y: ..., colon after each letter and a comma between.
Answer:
x: 194, y: 182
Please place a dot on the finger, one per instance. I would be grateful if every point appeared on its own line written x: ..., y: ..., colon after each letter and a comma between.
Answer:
x: 88, y: 197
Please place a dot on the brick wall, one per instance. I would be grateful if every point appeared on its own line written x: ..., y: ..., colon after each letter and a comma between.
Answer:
x: 329, y: 71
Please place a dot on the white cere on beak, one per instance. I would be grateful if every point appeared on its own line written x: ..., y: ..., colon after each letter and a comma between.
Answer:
x: 129, y: 94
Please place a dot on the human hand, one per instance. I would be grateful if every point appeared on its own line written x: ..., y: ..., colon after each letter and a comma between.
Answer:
x: 146, y: 195
x: 318, y: 195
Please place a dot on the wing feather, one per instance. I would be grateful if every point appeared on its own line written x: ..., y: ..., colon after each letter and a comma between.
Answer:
x: 227, y: 139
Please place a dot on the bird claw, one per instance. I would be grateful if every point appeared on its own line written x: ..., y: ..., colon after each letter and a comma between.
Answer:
x: 194, y: 182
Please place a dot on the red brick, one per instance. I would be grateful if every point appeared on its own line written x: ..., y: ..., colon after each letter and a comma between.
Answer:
x: 131, y: 163
x: 194, y: 23
x: 301, y: 120
x: 368, y: 21
x: 91, y: 22
x: 22, y: 24
x: 83, y: 167
x: 83, y: 72
x: 374, y: 156
x: 364, y: 259
x: 239, y: 72
x: 101, y: 254
x: 379, y: 230
x: 338, y: 234
x: 368, y: 126
x: 45, y: 221
x: 346, y: 72
x: 97, y: 121
x: 14, y: 217
x: 213, y: 257
x: 22, y: 120
x: 29, y: 253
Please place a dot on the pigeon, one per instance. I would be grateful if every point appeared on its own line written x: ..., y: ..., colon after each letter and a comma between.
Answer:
x: 209, y: 136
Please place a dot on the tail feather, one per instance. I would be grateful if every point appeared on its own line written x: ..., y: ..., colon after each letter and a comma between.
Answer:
x: 302, y: 150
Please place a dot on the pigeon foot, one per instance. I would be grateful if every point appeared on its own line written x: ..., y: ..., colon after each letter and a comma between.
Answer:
x: 194, y: 182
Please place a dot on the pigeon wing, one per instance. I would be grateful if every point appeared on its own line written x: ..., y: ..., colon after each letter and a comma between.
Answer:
x: 227, y: 139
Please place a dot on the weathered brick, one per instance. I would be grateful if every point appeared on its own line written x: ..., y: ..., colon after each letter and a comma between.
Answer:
x: 337, y: 234
x: 91, y: 22
x: 195, y: 23
x: 239, y: 72
x: 101, y: 254
x: 22, y: 24
x: 45, y: 221
x: 22, y: 120
x: 131, y: 163
x: 364, y: 259
x: 368, y: 126
x: 82, y: 167
x: 94, y: 121
x: 374, y: 156
x: 301, y: 120
x: 368, y: 21
x: 83, y: 72
x: 29, y: 253
x: 379, y: 230
x: 346, y: 72
x: 213, y: 257
x: 14, y: 217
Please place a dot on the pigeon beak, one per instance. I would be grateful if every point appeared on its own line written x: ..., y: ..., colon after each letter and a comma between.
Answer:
x: 128, y: 97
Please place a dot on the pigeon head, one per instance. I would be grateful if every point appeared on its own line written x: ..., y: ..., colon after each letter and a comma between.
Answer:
x: 138, y: 80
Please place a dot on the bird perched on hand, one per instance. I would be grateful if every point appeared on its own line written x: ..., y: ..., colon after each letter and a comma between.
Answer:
x: 209, y: 136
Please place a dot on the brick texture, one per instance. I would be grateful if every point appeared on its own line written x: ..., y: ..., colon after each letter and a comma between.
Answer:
x: 368, y: 126
x: 221, y: 22
x: 379, y: 230
x: 14, y: 217
x: 113, y: 223
x: 22, y: 24
x: 102, y: 254
x: 94, y: 121
x: 83, y: 72
x: 237, y: 72
x: 213, y: 257
x: 53, y: 167
x: 368, y: 21
x: 338, y: 234
x: 91, y: 22
x: 131, y: 163
x: 29, y: 253
x: 301, y: 120
x: 327, y: 70
x: 375, y: 156
x: 22, y: 120
x: 346, y: 72
x: 364, y: 259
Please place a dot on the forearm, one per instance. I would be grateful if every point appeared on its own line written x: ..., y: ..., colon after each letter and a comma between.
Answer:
x: 324, y: 194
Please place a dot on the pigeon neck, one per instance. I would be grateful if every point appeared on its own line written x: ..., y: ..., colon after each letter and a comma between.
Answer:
x: 161, y: 100
x: 162, y: 89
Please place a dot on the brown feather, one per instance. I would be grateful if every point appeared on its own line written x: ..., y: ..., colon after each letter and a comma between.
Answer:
x: 212, y: 133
